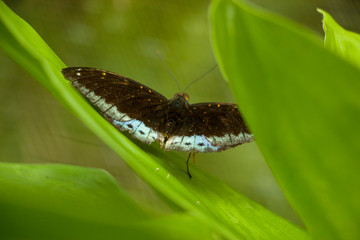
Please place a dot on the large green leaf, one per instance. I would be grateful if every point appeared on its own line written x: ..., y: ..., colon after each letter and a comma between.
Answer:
x: 341, y: 41
x: 67, y: 202
x: 302, y: 103
x: 203, y: 197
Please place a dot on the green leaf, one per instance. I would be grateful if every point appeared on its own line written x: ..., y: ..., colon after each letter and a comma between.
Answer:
x: 302, y: 103
x: 66, y: 202
x: 204, y: 198
x: 341, y: 41
x: 44, y: 186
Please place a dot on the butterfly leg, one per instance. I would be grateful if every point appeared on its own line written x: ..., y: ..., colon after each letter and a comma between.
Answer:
x: 187, y: 164
x: 193, y: 157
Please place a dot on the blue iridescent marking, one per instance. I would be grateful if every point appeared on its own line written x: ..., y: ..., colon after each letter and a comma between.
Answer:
x: 137, y: 129
x: 196, y: 143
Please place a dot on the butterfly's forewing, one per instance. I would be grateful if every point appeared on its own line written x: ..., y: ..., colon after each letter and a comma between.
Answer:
x: 127, y: 104
x: 210, y: 127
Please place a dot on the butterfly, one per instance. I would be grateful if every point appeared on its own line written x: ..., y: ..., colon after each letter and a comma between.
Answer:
x: 149, y: 116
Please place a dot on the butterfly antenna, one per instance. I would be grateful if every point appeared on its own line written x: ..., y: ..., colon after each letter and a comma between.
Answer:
x: 203, y: 75
x: 168, y: 70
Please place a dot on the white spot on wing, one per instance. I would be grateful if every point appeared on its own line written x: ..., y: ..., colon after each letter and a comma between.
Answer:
x: 80, y: 88
x: 125, y: 118
x: 75, y: 83
x: 223, y: 140
x: 109, y: 109
x: 92, y: 97
x: 230, y: 140
x: 115, y: 114
x: 79, y: 74
x: 83, y: 90
x: 138, y: 130
x: 201, y: 144
x: 195, y: 143
x: 187, y: 143
x: 249, y: 137
x: 153, y: 135
x: 102, y: 105
x: 173, y: 143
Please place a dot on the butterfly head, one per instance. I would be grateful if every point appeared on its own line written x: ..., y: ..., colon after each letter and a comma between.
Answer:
x: 180, y: 100
x: 181, y: 94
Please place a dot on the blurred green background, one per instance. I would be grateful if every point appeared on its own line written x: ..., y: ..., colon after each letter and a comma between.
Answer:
x: 123, y: 36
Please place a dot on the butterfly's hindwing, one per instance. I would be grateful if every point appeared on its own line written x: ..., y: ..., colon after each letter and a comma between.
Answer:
x: 214, y: 127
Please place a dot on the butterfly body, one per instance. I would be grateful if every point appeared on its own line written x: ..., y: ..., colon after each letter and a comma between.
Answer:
x: 149, y: 116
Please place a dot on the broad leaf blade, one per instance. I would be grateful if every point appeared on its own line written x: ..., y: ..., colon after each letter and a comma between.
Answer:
x: 46, y: 186
x: 302, y: 103
x: 341, y: 41
x: 66, y: 202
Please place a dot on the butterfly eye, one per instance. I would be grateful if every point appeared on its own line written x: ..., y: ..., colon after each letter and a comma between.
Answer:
x: 186, y: 96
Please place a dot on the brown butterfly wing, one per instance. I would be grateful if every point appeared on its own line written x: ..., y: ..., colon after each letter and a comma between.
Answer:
x: 210, y: 127
x: 127, y: 104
